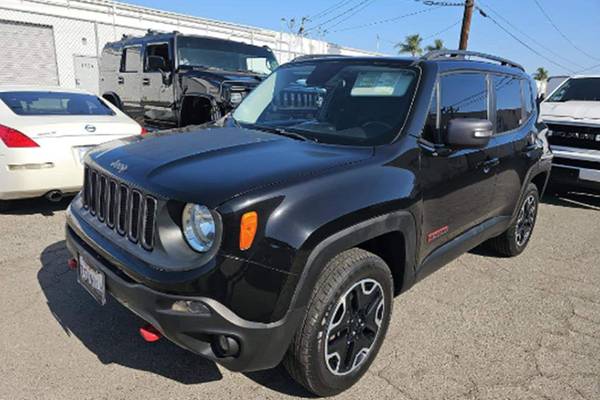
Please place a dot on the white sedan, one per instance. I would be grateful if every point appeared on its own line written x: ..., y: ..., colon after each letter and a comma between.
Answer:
x: 44, y: 133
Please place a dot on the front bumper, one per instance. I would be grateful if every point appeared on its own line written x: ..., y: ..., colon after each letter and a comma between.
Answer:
x: 262, y: 345
x: 576, y: 167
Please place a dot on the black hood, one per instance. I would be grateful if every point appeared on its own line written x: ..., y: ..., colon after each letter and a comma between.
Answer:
x: 213, y: 165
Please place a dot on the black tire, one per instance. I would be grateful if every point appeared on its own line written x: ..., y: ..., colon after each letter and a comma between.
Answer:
x: 342, y: 278
x: 5, y: 205
x: 508, y: 243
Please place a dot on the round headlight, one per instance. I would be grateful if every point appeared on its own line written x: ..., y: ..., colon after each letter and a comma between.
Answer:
x: 198, y: 227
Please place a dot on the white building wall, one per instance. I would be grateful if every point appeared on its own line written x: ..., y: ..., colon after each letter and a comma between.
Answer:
x: 82, y: 27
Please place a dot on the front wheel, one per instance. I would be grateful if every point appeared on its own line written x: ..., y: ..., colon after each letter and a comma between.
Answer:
x: 346, y: 321
x: 517, y: 236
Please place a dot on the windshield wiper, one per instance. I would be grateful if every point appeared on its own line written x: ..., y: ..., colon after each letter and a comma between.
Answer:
x: 282, y: 132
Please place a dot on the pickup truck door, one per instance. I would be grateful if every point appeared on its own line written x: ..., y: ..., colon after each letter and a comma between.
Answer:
x: 158, y: 93
x: 457, y: 184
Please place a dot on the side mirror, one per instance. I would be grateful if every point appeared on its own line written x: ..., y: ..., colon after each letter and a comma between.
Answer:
x: 157, y: 63
x: 469, y: 132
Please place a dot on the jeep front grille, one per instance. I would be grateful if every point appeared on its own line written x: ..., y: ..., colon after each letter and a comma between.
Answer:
x: 130, y: 212
x: 582, y: 137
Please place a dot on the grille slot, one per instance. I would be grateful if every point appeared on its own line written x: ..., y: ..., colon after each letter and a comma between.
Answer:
x: 130, y: 212
x: 583, y: 137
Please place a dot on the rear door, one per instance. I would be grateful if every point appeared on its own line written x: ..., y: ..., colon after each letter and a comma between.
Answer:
x: 130, y: 81
x: 513, y: 144
x: 457, y: 185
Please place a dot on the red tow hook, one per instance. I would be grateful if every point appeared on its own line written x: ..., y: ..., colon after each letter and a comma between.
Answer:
x: 150, y: 334
x: 72, y: 263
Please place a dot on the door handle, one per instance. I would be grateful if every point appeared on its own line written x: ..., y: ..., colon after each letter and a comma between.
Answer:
x: 489, y: 164
x: 120, y: 80
x: 146, y: 81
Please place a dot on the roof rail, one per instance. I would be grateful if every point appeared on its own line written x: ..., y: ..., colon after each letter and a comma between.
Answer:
x: 312, y: 56
x: 463, y: 54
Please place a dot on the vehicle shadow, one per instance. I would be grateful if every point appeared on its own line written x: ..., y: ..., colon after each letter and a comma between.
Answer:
x: 38, y: 205
x: 573, y: 199
x: 111, y: 331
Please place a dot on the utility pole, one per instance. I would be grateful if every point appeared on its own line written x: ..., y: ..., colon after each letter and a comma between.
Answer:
x: 466, y: 24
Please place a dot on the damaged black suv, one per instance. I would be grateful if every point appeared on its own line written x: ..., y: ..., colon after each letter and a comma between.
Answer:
x: 171, y: 79
x: 283, y: 232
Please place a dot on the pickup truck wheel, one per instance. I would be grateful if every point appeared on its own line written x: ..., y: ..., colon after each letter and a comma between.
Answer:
x: 517, y: 236
x: 345, y: 323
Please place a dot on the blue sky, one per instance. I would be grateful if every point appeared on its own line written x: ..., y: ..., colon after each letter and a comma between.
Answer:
x: 577, y: 19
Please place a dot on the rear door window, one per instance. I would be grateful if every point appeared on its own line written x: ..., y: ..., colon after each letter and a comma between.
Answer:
x: 131, y: 59
x: 509, y: 105
x: 54, y: 103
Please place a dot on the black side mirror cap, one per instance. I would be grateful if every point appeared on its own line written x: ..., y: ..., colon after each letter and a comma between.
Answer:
x: 469, y: 132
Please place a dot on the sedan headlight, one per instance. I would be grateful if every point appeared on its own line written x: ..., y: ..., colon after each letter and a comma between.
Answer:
x: 198, y: 227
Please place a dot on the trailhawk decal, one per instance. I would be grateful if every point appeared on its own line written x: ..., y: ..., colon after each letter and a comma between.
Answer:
x: 437, y: 233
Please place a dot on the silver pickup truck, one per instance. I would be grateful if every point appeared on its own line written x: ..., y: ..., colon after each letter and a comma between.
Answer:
x: 572, y: 113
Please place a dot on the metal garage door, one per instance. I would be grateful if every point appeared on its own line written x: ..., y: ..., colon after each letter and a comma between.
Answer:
x: 27, y: 54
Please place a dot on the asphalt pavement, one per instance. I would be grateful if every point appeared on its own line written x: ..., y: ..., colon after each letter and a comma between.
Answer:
x: 482, y: 327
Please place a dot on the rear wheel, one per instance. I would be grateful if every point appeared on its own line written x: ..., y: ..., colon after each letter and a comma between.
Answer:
x: 517, y: 236
x: 346, y: 321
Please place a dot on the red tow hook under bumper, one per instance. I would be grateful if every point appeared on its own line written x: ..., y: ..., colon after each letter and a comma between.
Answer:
x: 149, y: 333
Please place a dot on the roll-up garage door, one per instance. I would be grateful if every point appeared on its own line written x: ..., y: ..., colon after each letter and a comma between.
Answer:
x: 27, y: 54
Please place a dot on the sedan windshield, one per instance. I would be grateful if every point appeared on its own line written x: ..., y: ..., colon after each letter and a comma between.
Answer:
x: 54, y: 103
x: 339, y: 102
x: 581, y: 89
x: 221, y: 54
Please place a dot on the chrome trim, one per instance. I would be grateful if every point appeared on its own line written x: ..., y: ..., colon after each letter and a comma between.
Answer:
x: 575, y: 153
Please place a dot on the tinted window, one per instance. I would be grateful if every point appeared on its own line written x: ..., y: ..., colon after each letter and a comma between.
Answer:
x: 581, y: 89
x: 508, y: 102
x: 131, y: 59
x: 339, y: 102
x: 51, y: 103
x: 528, y: 98
x: 463, y: 96
x: 157, y: 50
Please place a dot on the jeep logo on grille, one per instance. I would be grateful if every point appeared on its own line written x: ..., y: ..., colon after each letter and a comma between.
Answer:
x: 119, y: 166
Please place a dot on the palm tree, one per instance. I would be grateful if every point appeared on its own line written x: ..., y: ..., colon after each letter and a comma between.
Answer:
x: 541, y: 75
x: 412, y: 45
x: 438, y: 44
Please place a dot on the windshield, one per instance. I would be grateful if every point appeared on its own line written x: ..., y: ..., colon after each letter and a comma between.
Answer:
x: 582, y: 89
x: 231, y: 56
x: 54, y: 103
x: 338, y: 102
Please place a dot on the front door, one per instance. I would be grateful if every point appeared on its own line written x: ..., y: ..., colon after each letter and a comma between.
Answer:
x: 86, y: 73
x: 458, y: 184
x: 157, y: 93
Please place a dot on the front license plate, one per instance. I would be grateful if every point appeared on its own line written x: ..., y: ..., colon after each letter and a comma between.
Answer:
x: 92, y: 280
x: 589, y: 175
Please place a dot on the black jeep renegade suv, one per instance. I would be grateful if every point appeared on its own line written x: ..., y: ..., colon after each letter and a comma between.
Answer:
x: 284, y: 231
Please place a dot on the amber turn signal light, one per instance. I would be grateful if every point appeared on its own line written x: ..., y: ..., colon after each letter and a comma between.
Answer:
x: 248, y: 229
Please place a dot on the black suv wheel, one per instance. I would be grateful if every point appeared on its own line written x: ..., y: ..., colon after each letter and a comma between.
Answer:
x: 517, y: 236
x: 345, y: 324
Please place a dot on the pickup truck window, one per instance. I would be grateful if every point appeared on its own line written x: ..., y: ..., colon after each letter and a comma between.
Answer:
x: 130, y: 61
x: 158, y: 50
x: 579, y: 89
x: 336, y: 102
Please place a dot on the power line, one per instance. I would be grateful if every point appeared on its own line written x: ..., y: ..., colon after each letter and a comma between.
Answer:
x: 443, y: 30
x: 329, y: 10
x: 352, y: 14
x: 336, y: 17
x: 486, y: 15
x: 383, y: 21
x: 562, y: 33
x: 530, y: 37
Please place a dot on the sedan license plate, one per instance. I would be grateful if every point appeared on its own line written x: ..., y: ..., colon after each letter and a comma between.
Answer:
x: 81, y: 151
x: 92, y: 280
